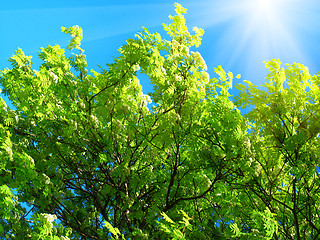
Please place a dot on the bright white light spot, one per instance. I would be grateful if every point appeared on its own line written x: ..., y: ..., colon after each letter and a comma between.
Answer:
x: 262, y: 15
x: 265, y: 4
x: 265, y: 28
x: 255, y: 30
x: 266, y: 11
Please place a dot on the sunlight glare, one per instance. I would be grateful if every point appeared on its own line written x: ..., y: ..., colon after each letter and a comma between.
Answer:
x: 265, y: 14
x: 266, y: 26
x: 258, y: 30
x: 249, y: 32
x: 267, y: 11
x: 265, y: 4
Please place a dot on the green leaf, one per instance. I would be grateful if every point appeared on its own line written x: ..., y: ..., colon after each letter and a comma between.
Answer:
x: 114, y: 231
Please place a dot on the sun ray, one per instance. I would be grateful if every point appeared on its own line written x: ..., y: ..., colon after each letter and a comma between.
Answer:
x: 255, y: 30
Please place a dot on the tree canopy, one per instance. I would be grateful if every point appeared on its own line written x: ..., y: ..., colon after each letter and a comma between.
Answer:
x: 88, y: 155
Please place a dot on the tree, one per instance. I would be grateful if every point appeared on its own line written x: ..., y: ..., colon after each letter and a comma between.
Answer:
x: 92, y: 151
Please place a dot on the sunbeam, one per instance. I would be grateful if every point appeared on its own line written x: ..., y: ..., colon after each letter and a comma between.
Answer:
x: 255, y: 30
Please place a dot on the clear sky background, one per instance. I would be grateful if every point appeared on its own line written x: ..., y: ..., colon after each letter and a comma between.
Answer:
x: 239, y: 34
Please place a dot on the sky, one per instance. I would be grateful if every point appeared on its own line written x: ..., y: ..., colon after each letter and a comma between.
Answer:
x: 239, y: 34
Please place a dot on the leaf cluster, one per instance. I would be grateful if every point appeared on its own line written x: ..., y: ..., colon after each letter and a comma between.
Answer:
x: 89, y: 155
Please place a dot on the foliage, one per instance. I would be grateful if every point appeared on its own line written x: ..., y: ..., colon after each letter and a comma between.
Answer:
x: 93, y: 157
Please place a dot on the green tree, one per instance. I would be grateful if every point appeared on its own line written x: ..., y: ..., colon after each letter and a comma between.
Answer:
x: 283, y: 171
x: 110, y: 162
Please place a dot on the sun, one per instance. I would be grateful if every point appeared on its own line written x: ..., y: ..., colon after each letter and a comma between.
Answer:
x: 265, y: 27
x: 267, y: 5
x: 265, y: 13
x: 255, y: 31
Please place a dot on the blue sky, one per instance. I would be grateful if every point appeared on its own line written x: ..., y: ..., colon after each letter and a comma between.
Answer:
x: 239, y: 34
